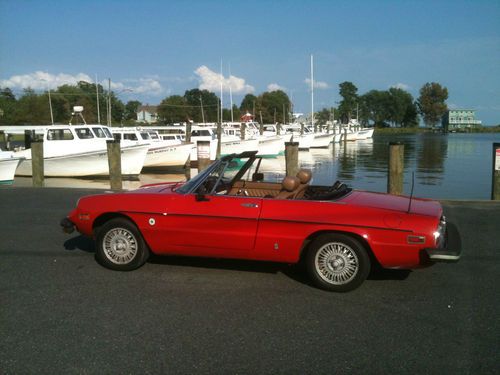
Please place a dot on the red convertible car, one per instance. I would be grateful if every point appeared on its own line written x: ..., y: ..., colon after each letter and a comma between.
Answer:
x: 229, y: 211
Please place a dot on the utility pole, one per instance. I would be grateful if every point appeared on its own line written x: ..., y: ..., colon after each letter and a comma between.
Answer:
x: 202, y: 113
x: 50, y: 106
x: 97, y: 94
x: 109, y: 101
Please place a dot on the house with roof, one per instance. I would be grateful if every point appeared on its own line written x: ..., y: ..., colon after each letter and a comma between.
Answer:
x: 147, y: 114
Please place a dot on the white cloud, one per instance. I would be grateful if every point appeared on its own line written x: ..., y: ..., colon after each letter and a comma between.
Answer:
x: 42, y: 80
x: 274, y: 87
x: 147, y: 86
x: 317, y: 84
x: 402, y: 86
x: 211, y: 81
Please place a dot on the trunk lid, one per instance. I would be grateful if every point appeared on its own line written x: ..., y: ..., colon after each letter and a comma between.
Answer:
x: 398, y: 203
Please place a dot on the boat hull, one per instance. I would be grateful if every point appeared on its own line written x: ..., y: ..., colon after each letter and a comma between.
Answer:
x: 321, y: 140
x: 271, y: 146
x: 168, y: 156
x: 8, y: 169
x: 93, y: 163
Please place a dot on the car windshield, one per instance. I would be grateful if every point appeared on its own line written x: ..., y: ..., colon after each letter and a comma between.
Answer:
x: 218, y: 176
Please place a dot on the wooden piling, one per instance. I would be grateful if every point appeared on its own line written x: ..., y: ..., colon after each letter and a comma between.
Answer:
x: 495, y: 185
x: 115, y: 164
x: 261, y: 126
x: 292, y: 158
x: 203, y: 154
x: 29, y: 136
x: 301, y: 129
x: 219, y: 141
x: 37, y: 162
x: 187, y: 139
x: 278, y: 129
x: 243, y: 130
x: 396, y: 168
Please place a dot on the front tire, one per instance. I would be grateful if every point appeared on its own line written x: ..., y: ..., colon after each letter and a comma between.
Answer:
x: 120, y: 245
x: 337, y: 262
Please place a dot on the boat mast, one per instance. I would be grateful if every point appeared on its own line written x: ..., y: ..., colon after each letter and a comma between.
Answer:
x: 97, y: 92
x: 312, y: 92
x: 230, y: 93
x: 221, y: 79
x: 109, y: 101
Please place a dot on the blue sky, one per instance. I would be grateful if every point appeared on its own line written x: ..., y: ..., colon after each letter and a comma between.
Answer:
x: 153, y: 49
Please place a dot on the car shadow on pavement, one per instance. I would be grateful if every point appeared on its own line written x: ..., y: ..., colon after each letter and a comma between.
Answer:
x: 378, y: 273
x: 80, y: 243
x: 217, y: 263
x: 298, y: 273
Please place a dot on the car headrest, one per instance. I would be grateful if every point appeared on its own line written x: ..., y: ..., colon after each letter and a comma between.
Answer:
x: 290, y: 183
x: 304, y: 175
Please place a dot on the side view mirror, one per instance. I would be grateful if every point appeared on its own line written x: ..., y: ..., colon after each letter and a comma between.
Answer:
x: 201, y: 194
x: 258, y: 177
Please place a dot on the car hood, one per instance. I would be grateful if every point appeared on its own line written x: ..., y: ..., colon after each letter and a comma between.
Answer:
x: 157, y: 188
x: 394, y: 202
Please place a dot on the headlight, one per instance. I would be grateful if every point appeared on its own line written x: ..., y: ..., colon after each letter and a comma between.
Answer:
x: 440, y: 233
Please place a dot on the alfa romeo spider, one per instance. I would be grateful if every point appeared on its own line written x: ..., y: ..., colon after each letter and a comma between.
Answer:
x: 230, y: 210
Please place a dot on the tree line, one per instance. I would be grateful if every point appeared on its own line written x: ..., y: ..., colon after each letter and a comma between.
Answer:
x: 393, y: 107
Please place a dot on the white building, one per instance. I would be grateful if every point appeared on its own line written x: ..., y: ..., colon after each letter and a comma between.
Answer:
x: 147, y: 114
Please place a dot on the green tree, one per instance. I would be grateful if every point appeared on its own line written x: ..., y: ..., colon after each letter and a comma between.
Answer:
x: 270, y: 105
x: 323, y: 116
x: 347, y: 105
x: 7, y: 106
x: 432, y: 103
x: 376, y: 107
x: 195, y: 98
x: 31, y: 109
x: 131, y: 110
x: 403, y: 108
x: 248, y: 103
x: 173, y: 109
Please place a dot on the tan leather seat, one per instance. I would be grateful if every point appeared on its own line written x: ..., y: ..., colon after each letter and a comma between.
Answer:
x: 304, y: 176
x: 289, y: 188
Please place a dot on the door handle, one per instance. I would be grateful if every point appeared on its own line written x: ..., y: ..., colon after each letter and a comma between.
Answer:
x: 250, y: 205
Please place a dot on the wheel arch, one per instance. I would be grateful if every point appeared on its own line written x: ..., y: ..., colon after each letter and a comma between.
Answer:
x: 104, y: 218
x: 305, y: 245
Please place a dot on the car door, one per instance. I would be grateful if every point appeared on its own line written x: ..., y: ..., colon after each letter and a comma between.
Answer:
x: 215, y: 225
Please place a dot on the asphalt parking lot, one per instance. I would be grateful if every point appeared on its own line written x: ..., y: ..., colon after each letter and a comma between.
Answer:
x: 61, y: 312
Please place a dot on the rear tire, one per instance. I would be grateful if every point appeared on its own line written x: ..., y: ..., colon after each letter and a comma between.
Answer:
x: 337, y: 262
x: 120, y: 245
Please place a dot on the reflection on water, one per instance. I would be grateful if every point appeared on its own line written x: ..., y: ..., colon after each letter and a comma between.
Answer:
x: 454, y: 166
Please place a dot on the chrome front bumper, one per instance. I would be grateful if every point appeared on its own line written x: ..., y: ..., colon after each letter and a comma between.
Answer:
x: 67, y: 225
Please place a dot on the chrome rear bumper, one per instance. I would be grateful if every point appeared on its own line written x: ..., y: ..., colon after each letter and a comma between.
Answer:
x: 452, y: 248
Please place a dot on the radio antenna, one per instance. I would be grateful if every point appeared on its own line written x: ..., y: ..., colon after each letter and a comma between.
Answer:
x: 411, y: 192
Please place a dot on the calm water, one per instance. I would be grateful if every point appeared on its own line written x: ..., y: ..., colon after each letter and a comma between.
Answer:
x: 454, y: 166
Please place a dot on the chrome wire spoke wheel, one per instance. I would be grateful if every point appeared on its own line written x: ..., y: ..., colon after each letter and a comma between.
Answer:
x: 120, y: 245
x: 336, y: 263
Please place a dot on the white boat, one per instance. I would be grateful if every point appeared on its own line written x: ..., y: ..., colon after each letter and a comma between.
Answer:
x: 79, y: 151
x: 161, y: 153
x: 271, y: 130
x: 8, y: 165
x: 269, y: 145
x: 305, y: 139
x: 345, y: 134
x: 365, y: 133
x: 321, y: 140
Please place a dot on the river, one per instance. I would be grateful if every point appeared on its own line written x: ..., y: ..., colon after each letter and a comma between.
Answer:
x: 453, y: 166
